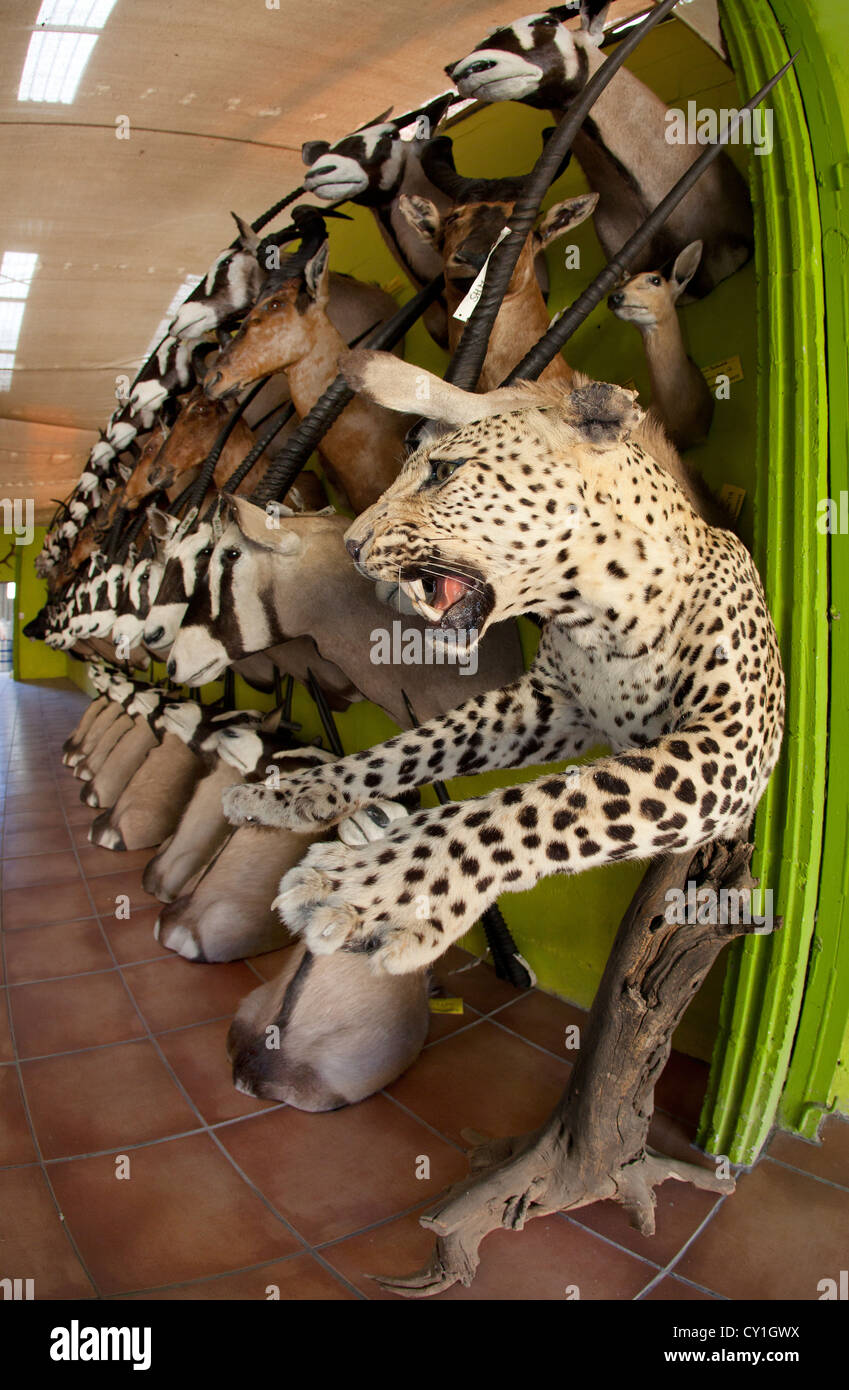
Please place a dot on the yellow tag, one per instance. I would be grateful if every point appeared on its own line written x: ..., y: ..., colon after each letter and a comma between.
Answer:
x: 729, y: 366
x: 732, y: 499
x: 445, y: 1006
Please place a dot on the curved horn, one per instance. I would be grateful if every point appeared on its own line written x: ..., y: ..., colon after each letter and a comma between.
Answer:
x: 437, y: 160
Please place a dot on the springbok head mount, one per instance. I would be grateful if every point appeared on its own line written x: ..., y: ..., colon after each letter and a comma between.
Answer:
x: 277, y: 331
x: 480, y: 211
x: 536, y: 59
x: 648, y: 299
x: 367, y: 167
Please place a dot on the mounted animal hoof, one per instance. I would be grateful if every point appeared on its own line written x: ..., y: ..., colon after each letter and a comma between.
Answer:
x: 84, y: 774
x: 88, y: 796
x: 103, y: 834
x: 177, y: 937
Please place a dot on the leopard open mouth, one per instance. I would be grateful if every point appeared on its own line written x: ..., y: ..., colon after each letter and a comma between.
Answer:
x: 460, y: 600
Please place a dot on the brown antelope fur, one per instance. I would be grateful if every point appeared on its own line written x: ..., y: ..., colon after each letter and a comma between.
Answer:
x: 149, y: 807
x: 94, y: 761
x: 345, y: 1032
x: 680, y: 397
x: 75, y: 738
x: 465, y: 238
x: 100, y: 726
x: 125, y: 758
x: 228, y: 915
x: 289, y: 330
x: 202, y: 830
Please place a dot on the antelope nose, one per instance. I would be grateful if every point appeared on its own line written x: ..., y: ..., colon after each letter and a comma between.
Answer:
x: 211, y: 382
x: 171, y: 668
x: 154, y: 637
x: 616, y: 299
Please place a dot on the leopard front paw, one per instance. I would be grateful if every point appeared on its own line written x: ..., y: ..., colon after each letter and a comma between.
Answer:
x: 377, y: 900
x: 302, y: 803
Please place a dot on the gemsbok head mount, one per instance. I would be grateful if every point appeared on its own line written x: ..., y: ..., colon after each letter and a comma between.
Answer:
x: 622, y: 146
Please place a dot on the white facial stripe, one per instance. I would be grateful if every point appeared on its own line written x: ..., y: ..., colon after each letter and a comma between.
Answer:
x: 242, y: 750
x: 147, y: 397
x: 372, y: 136
x: 182, y: 719
x: 511, y: 78
x: 565, y: 44
x: 198, y: 657
x: 344, y: 177
x: 168, y: 616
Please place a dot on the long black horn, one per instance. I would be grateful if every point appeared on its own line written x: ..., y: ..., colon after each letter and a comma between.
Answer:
x: 329, y: 406
x: 204, y: 478
x: 328, y: 723
x: 259, y: 448
x: 465, y: 366
x: 562, y: 329
x: 437, y: 161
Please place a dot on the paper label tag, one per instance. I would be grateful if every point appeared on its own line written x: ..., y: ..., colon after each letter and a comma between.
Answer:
x: 729, y: 366
x: 732, y: 498
x: 445, y: 1006
x: 466, y: 307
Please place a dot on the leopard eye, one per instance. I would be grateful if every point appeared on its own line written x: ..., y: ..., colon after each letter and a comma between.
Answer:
x: 441, y: 469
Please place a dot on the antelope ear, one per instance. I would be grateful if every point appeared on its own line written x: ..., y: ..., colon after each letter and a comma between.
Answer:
x: 162, y: 525
x: 262, y: 527
x: 422, y: 215
x: 685, y: 267
x: 247, y: 236
x: 593, y: 15
x: 563, y: 216
x: 311, y: 150
x: 317, y: 274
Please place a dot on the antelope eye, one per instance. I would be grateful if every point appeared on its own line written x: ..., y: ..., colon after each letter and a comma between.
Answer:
x: 272, y: 306
x: 231, y: 554
x: 547, y: 20
x: 655, y: 280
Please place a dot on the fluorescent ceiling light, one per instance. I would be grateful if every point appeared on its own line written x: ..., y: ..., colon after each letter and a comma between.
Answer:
x: 7, y: 362
x: 75, y: 14
x: 16, y: 271
x: 11, y: 318
x: 54, y: 64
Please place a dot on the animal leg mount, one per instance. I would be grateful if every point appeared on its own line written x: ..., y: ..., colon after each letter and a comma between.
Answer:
x: 593, y: 1146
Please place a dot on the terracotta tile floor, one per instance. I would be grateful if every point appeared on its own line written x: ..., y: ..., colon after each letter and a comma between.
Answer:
x: 113, y: 1060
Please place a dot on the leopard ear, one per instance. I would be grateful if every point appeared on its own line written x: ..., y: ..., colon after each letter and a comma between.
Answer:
x: 600, y: 413
x: 411, y: 390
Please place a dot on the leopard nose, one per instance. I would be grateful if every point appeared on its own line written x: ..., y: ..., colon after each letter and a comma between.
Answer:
x: 354, y: 547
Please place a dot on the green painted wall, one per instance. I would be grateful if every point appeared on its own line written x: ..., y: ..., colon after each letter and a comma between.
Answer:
x: 32, y: 660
